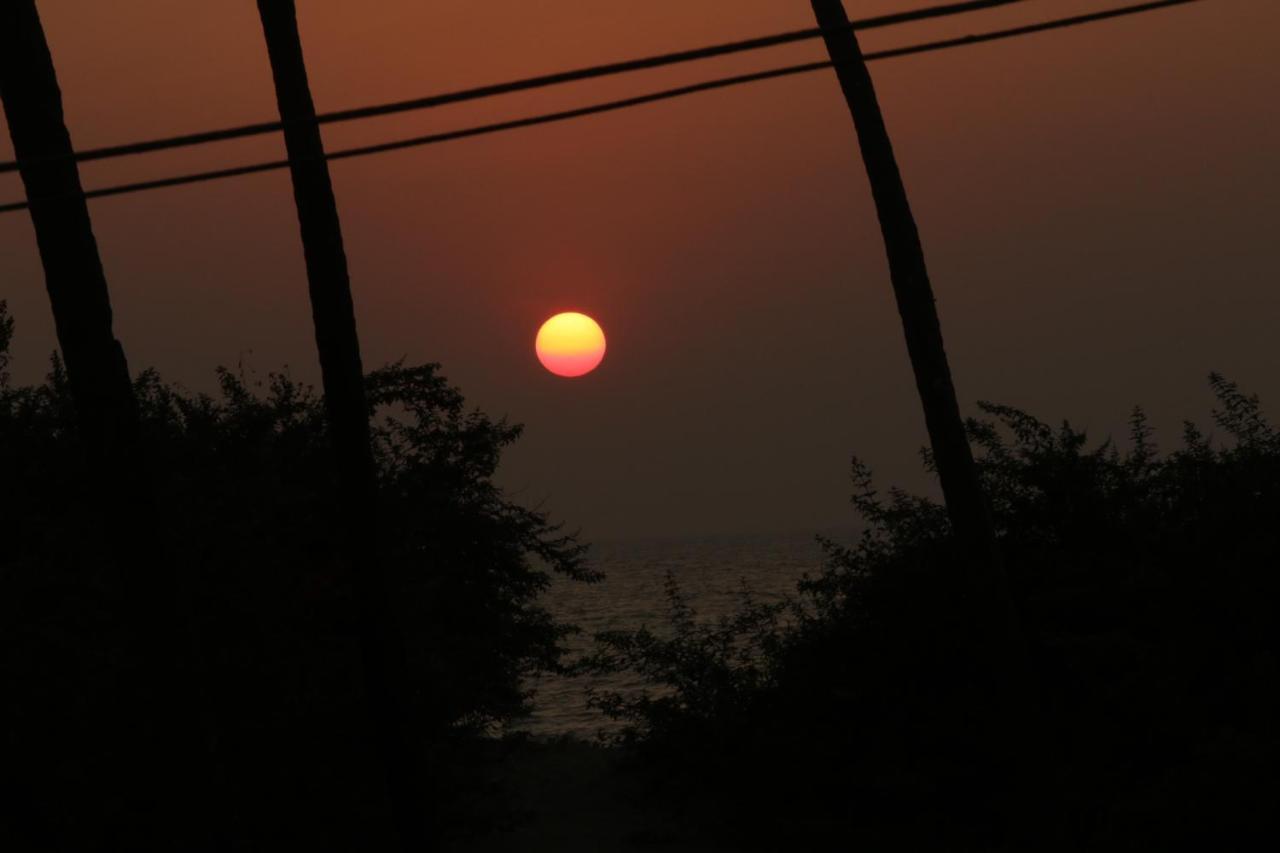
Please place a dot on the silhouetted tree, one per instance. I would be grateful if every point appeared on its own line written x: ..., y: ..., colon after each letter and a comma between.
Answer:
x: 346, y: 405
x: 168, y: 768
x: 245, y: 512
x: 966, y: 505
x: 842, y: 716
x: 74, y: 277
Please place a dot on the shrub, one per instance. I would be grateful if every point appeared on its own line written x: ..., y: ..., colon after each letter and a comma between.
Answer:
x: 244, y: 516
x: 866, y: 704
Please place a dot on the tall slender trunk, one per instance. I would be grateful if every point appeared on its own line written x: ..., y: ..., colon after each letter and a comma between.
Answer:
x: 168, y: 771
x: 347, y: 410
x: 966, y: 504
x: 77, y: 286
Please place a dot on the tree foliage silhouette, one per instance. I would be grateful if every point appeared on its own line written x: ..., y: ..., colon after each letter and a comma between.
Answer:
x: 245, y: 510
x: 848, y: 712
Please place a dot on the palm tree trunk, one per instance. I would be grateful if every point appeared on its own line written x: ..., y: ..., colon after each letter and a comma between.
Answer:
x: 966, y: 504
x: 347, y: 410
x: 76, y: 283
x: 168, y: 774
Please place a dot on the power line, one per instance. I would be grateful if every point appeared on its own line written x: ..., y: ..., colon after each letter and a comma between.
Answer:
x: 538, y: 82
x: 610, y: 106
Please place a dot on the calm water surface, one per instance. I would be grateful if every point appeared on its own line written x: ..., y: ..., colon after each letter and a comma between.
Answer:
x: 710, y: 572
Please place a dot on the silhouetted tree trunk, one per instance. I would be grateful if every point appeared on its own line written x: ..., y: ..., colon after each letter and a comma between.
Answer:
x: 966, y: 504
x: 168, y: 768
x: 347, y: 410
x: 77, y: 286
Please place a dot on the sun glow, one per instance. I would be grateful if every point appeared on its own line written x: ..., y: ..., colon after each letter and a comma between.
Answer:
x: 570, y: 344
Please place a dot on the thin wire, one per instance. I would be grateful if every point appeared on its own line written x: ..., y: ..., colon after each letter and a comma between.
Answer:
x: 538, y: 82
x: 609, y: 106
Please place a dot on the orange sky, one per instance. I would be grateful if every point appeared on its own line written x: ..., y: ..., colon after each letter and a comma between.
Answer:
x: 1098, y: 208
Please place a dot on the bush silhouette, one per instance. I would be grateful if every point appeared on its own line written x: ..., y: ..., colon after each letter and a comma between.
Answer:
x: 245, y: 516
x: 864, y: 707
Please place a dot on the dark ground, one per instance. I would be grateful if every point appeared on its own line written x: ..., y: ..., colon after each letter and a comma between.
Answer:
x: 570, y: 795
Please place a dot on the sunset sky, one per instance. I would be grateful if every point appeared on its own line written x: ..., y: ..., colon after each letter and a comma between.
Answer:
x: 1099, y: 209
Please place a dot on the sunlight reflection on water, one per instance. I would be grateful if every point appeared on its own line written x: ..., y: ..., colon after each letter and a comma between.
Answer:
x: 710, y: 572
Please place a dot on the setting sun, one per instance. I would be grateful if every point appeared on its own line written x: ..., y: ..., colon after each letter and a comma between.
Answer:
x: 570, y: 344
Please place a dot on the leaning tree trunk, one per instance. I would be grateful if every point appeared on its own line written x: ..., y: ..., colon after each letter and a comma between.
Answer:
x: 993, y: 619
x: 966, y: 504
x: 347, y: 411
x: 168, y: 770
x: 77, y: 286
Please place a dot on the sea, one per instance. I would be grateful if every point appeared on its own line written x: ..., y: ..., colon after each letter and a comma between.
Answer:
x: 711, y: 572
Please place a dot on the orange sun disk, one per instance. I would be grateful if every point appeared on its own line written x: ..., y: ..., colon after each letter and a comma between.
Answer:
x: 570, y: 344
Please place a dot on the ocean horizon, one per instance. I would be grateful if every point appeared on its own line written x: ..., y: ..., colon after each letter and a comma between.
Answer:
x: 712, y: 573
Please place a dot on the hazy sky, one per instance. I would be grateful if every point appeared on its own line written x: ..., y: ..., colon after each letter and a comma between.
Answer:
x: 1099, y: 209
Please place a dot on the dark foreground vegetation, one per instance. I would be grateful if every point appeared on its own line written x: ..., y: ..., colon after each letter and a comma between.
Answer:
x: 1138, y: 711
x: 1132, y: 705
x: 269, y: 748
